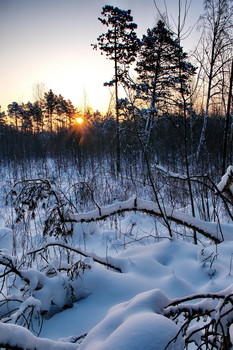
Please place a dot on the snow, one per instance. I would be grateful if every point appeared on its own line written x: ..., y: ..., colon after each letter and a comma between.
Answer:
x: 226, y: 178
x: 153, y: 275
x: 209, y: 229
x: 135, y: 274
x: 6, y: 239
x: 52, y: 290
x: 170, y: 173
x: 20, y: 337
x: 124, y: 310
x: 142, y: 330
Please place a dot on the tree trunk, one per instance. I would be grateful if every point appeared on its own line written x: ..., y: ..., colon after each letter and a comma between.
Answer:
x: 210, y: 78
x: 117, y: 112
x: 226, y: 132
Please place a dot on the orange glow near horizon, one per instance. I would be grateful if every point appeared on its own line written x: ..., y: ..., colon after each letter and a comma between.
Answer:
x: 79, y: 120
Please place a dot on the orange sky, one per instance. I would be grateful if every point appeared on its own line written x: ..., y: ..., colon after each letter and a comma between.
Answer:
x: 49, y: 41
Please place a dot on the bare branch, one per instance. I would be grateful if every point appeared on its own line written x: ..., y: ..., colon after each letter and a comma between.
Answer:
x: 93, y: 256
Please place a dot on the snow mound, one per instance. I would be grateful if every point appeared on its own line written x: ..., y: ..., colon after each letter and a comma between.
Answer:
x: 135, y: 325
x: 16, y: 336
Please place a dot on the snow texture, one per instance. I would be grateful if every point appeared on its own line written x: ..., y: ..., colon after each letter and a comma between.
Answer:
x: 16, y: 336
x: 124, y: 309
x: 135, y: 325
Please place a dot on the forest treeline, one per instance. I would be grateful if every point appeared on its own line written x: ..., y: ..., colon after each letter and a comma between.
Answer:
x: 32, y: 138
x: 176, y: 108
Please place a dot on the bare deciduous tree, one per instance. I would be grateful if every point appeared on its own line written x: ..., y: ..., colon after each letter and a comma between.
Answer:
x: 216, y: 45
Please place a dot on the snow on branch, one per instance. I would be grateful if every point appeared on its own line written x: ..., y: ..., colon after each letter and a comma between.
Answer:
x: 226, y: 183
x: 224, y: 186
x: 214, y: 309
x: 170, y: 173
x: 17, y: 337
x: 207, y: 229
x: 93, y: 256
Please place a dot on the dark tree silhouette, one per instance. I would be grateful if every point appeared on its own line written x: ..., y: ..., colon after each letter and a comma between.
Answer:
x: 120, y: 44
x: 162, y: 68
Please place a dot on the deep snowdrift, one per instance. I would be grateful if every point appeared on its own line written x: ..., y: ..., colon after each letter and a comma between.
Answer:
x: 121, y: 310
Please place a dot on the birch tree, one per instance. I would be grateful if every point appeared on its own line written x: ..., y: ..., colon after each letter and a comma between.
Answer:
x: 216, y: 45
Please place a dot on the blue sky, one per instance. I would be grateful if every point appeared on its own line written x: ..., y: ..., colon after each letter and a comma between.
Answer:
x: 49, y: 42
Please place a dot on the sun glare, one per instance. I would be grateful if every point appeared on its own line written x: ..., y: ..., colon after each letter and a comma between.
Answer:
x: 79, y: 120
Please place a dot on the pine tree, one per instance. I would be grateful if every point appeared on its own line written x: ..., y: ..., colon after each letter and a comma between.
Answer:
x: 26, y: 118
x: 2, y: 119
x: 50, y: 104
x: 35, y: 111
x: 70, y: 113
x: 120, y: 44
x: 163, y: 70
x: 15, y: 111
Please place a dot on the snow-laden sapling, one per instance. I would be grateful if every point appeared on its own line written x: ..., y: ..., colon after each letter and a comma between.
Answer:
x: 19, y: 307
x: 28, y: 294
x: 206, y: 323
x: 34, y: 285
x: 28, y: 197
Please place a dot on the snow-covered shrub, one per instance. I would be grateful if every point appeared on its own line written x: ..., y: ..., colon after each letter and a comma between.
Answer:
x: 30, y: 196
x: 16, y: 337
x: 205, y: 322
x: 39, y: 291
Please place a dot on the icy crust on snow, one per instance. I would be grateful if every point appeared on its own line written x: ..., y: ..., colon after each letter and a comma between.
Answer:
x: 135, y: 324
x: 210, y: 228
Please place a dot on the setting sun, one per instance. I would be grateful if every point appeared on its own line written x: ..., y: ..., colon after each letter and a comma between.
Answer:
x: 79, y: 120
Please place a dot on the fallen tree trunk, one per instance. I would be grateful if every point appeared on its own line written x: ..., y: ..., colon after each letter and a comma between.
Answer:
x: 209, y: 230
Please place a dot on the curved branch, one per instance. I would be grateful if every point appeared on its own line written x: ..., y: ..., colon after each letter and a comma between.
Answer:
x: 93, y: 256
x: 207, y: 229
x: 192, y: 298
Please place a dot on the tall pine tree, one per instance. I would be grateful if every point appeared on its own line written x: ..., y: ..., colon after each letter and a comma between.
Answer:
x: 162, y: 70
x: 120, y: 44
x: 50, y: 104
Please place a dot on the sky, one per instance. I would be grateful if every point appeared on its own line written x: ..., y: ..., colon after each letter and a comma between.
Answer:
x: 49, y: 42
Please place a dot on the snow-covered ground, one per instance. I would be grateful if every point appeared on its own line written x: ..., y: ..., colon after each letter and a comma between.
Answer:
x: 119, y: 310
x: 124, y: 308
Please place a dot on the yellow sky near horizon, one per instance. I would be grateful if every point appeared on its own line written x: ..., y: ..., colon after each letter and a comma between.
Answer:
x: 49, y: 42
